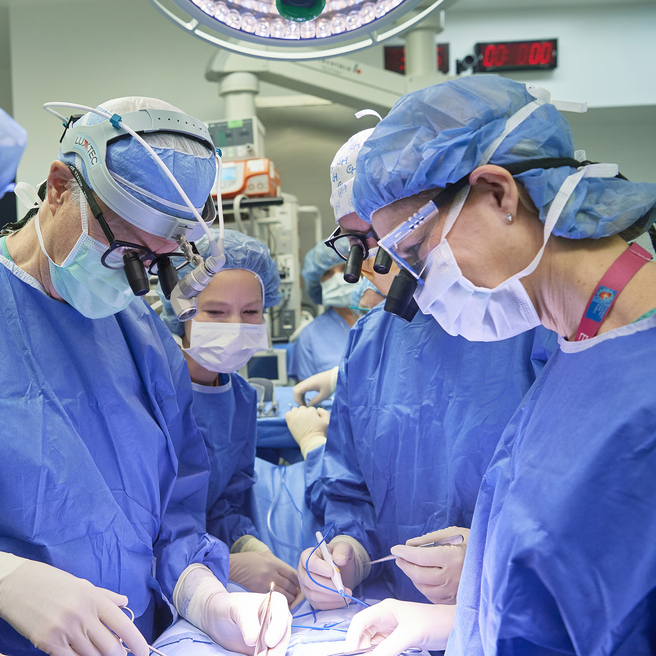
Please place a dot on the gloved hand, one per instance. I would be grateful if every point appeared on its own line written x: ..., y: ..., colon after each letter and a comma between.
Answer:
x: 64, y: 615
x: 308, y: 427
x: 231, y: 619
x: 396, y: 625
x: 255, y: 570
x: 324, y: 383
x: 435, y: 571
x: 351, y: 558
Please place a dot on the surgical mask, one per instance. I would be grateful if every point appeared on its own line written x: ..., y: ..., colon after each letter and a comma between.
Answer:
x: 225, y: 347
x: 480, y: 314
x: 336, y: 292
x: 81, y: 279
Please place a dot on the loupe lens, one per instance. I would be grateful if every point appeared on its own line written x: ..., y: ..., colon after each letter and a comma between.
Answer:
x: 168, y: 276
x: 400, y: 296
x: 136, y: 274
x: 383, y: 262
x: 353, y: 266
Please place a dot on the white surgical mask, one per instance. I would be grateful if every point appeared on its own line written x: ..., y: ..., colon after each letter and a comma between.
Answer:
x: 336, y: 292
x: 225, y: 347
x: 480, y: 314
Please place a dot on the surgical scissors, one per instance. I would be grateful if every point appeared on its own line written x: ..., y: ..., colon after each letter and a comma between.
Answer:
x: 260, y: 644
x: 155, y: 651
x: 410, y: 651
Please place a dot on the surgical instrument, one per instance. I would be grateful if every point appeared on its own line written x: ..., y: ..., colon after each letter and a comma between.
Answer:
x: 336, y: 577
x: 410, y: 651
x: 452, y: 539
x: 150, y: 648
x: 260, y: 644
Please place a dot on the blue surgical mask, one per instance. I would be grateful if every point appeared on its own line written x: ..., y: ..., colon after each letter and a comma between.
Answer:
x: 336, y: 292
x: 83, y: 282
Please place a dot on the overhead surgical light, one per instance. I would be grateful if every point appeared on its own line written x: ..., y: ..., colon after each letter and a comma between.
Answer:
x: 296, y: 29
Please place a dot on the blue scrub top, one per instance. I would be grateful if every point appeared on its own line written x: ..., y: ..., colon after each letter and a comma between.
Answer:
x: 104, y: 473
x: 320, y: 345
x: 229, y: 413
x: 416, y: 417
x: 560, y: 558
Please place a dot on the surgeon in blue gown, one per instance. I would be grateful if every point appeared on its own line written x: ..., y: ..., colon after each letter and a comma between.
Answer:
x: 104, y: 474
x: 559, y: 558
x: 416, y: 417
x: 321, y: 343
x: 229, y: 327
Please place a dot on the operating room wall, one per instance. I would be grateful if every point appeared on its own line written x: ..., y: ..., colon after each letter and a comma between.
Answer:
x: 90, y: 50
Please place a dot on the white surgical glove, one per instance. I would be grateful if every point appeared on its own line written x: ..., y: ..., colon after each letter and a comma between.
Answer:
x: 396, y: 625
x: 324, y: 383
x: 308, y: 427
x: 255, y: 568
x: 231, y: 619
x: 435, y: 571
x: 63, y: 615
x: 351, y: 558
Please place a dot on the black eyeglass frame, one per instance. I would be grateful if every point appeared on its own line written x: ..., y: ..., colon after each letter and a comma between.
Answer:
x: 362, y: 239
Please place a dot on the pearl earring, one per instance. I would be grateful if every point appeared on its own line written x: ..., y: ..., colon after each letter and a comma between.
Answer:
x: 509, y: 218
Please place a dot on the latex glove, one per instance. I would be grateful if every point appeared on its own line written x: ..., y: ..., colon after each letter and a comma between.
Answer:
x: 231, y: 619
x: 324, y: 383
x: 396, y: 625
x: 351, y: 558
x: 256, y: 570
x: 308, y: 427
x: 63, y: 615
x: 435, y: 571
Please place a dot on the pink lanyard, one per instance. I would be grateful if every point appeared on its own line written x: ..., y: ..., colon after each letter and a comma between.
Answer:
x: 609, y: 288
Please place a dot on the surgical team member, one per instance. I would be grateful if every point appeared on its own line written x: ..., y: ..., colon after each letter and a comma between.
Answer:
x: 321, y: 343
x: 103, y: 479
x: 13, y: 140
x: 228, y: 329
x: 416, y: 416
x: 534, y: 237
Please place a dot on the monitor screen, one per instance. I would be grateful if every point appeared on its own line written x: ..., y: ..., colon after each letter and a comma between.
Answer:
x: 264, y: 366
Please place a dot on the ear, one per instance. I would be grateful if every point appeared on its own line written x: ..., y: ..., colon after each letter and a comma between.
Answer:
x: 501, y: 186
x: 58, y: 179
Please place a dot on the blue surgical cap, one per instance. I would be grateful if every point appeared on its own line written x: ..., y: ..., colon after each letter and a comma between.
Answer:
x: 436, y: 136
x: 360, y: 288
x: 134, y: 169
x: 13, y: 139
x: 242, y: 252
x: 318, y: 260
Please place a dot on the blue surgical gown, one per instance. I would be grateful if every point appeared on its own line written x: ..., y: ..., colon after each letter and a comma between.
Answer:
x: 561, y: 555
x: 104, y: 472
x: 320, y: 345
x: 416, y: 417
x: 228, y: 412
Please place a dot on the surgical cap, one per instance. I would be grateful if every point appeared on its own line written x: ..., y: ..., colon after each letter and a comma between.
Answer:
x: 318, y: 260
x: 342, y: 173
x: 436, y: 136
x: 13, y: 139
x: 360, y: 288
x: 242, y: 252
x: 134, y: 169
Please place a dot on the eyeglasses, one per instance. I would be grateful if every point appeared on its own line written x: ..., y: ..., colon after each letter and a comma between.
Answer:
x: 342, y: 243
x: 353, y: 247
x: 133, y: 258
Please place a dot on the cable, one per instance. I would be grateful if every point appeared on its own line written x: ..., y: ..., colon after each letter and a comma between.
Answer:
x: 325, y: 587
x: 270, y: 513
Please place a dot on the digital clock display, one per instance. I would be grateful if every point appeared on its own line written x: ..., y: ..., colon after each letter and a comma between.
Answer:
x: 516, y: 56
